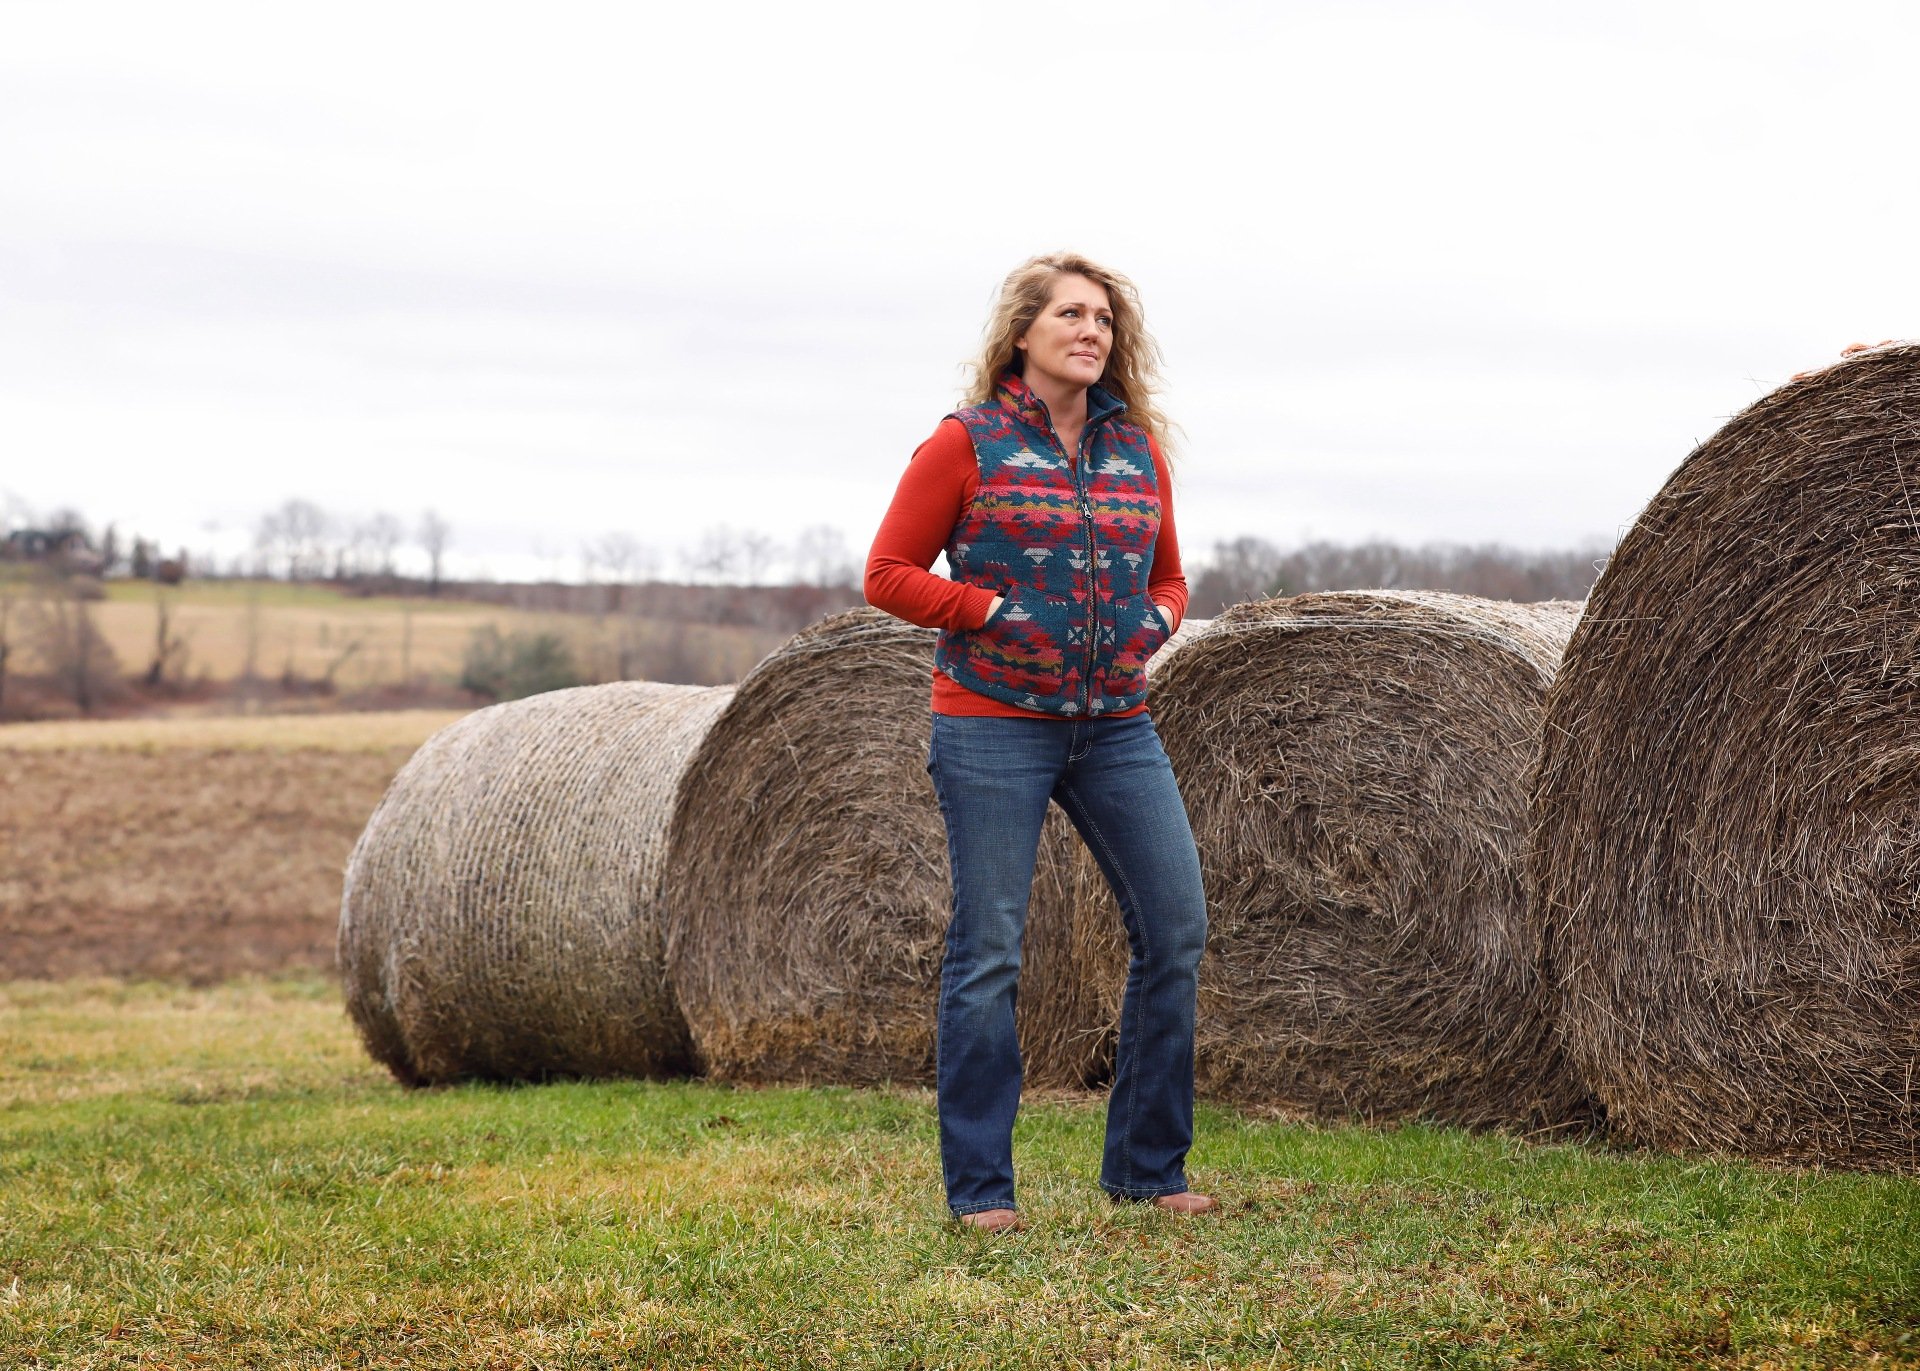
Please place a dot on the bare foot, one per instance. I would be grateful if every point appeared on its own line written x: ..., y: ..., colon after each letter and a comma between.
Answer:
x: 994, y: 1221
x: 1186, y: 1202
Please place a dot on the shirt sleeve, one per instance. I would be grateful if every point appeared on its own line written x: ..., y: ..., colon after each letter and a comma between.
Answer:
x: 934, y: 491
x: 1168, y: 583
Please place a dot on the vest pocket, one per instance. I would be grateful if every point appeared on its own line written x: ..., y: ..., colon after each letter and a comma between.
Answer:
x: 1026, y: 645
x: 1138, y: 632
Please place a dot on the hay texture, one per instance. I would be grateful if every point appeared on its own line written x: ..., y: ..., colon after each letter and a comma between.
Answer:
x: 1355, y: 766
x: 500, y: 918
x: 808, y: 888
x: 1727, y: 816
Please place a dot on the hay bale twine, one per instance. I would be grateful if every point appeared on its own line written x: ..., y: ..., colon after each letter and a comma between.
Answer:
x: 500, y: 918
x: 1355, y: 768
x: 808, y: 893
x: 1726, y: 839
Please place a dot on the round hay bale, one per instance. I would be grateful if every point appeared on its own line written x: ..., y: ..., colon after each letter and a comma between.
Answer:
x: 808, y: 893
x: 1726, y: 841
x: 1355, y: 766
x: 500, y: 918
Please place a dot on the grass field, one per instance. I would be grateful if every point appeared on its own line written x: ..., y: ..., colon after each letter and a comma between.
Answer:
x: 219, y: 1178
x: 307, y: 631
x: 205, y: 1170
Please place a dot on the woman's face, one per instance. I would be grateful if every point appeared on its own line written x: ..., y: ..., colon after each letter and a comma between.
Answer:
x: 1068, y: 344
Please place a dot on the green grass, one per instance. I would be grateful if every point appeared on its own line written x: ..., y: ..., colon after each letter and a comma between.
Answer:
x: 220, y: 1178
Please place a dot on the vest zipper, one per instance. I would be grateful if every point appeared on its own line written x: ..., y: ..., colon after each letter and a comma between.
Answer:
x: 1093, y: 553
x: 1093, y: 573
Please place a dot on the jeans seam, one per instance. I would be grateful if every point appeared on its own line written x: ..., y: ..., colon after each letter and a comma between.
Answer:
x: 949, y: 792
x: 953, y: 877
x: 1132, y: 905
x: 1129, y: 1194
x: 979, y: 1207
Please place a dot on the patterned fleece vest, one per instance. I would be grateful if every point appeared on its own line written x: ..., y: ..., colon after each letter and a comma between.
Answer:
x: 1069, y: 547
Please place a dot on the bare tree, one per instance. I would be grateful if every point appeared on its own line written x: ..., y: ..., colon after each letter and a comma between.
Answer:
x: 69, y: 522
x: 6, y: 632
x: 351, y: 557
x: 347, y: 648
x: 382, y: 535
x: 169, y: 645
x: 758, y: 553
x: 250, y: 667
x: 294, y: 536
x: 70, y: 643
x: 716, y: 557
x: 434, y: 536
x: 266, y: 545
x: 70, y: 543
x: 1248, y: 568
x: 306, y: 526
x: 623, y: 558
x: 1245, y: 568
x: 626, y: 561
x: 14, y: 513
x: 1492, y: 570
x: 821, y: 558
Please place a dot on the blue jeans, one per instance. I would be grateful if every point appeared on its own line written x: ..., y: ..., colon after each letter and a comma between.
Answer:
x: 994, y: 778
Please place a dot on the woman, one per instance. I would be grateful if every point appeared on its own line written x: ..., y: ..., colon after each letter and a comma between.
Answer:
x: 1051, y: 499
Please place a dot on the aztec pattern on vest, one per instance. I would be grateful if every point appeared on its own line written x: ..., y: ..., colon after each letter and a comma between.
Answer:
x: 1069, y: 547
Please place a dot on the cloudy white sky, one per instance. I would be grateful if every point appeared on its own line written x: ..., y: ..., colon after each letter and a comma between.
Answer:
x: 1420, y: 270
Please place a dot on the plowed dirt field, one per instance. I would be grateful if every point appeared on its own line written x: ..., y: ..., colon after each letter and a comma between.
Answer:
x: 185, y: 850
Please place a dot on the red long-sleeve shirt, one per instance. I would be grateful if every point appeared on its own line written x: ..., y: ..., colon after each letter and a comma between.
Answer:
x: 934, y: 491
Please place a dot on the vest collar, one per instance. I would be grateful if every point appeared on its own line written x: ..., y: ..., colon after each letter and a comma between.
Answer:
x: 1015, y: 394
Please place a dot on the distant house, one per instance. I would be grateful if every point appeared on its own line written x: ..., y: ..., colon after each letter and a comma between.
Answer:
x: 27, y: 545
x: 68, y: 547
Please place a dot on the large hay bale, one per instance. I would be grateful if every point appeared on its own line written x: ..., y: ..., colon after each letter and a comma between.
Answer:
x: 1355, y: 766
x: 808, y: 893
x: 500, y: 918
x: 1726, y: 838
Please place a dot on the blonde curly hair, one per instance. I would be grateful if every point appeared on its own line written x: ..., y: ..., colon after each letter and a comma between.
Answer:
x: 1132, y: 375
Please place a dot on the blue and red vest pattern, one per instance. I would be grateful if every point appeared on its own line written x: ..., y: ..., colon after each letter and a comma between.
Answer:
x: 1068, y: 545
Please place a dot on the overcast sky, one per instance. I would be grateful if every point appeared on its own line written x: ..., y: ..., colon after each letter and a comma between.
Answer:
x: 1420, y: 270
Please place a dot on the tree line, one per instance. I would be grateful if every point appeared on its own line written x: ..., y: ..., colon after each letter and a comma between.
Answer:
x: 50, y: 568
x: 1250, y: 568
x: 299, y: 540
